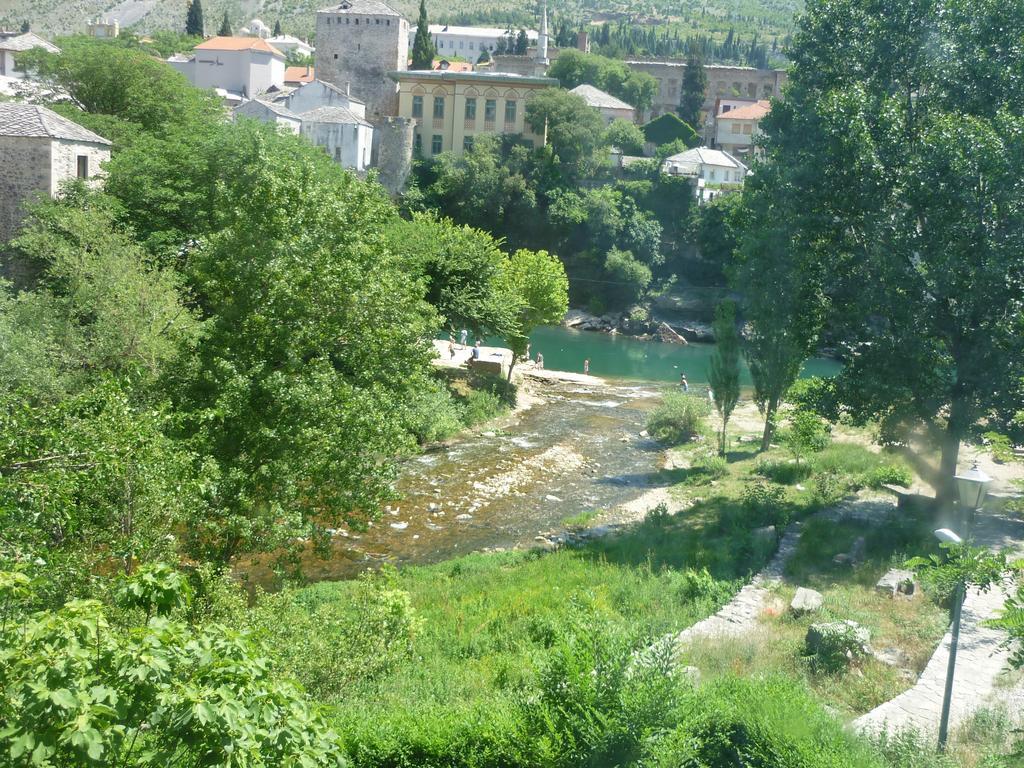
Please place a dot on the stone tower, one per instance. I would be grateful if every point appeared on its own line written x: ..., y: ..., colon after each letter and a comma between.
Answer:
x: 394, y: 154
x: 357, y: 43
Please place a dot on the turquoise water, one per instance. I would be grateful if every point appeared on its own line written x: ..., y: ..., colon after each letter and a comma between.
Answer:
x: 624, y: 357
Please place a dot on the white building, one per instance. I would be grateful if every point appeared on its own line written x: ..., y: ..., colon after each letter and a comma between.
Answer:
x: 611, y: 108
x: 12, y: 44
x: 345, y: 136
x: 102, y: 29
x: 240, y: 66
x: 319, y: 94
x: 290, y: 44
x: 468, y: 42
x: 270, y: 112
x: 737, y: 127
x: 713, y: 170
x: 39, y: 150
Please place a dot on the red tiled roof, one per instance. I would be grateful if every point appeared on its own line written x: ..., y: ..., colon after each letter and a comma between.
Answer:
x: 238, y: 44
x: 749, y: 111
x: 453, y: 66
x: 299, y: 74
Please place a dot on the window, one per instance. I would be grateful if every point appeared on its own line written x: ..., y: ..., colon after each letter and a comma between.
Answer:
x: 711, y: 175
x: 376, y: 21
x: 417, y: 142
x: 461, y: 42
x: 417, y: 106
x: 335, y: 55
x: 737, y: 128
x: 357, y: 22
x: 471, y: 44
x: 467, y: 143
x: 748, y: 129
x: 83, y: 166
x: 435, y: 144
x: 337, y: 154
x: 490, y: 110
x: 510, y: 112
x: 438, y: 107
x: 471, y: 109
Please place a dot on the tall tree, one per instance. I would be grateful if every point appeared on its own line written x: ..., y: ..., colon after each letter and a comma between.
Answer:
x: 522, y: 43
x: 724, y: 374
x: 225, y: 26
x: 908, y: 200
x: 423, y: 50
x: 194, y: 19
x: 277, y: 26
x: 535, y: 285
x: 694, y: 86
x: 783, y: 302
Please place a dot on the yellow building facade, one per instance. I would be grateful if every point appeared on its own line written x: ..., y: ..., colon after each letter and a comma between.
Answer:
x: 451, y: 108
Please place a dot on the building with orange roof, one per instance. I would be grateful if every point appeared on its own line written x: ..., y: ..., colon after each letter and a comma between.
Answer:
x: 238, y: 68
x: 452, y: 66
x: 296, y: 76
x: 737, y: 126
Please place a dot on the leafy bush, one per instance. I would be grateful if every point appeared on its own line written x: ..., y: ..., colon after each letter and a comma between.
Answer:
x: 999, y: 445
x: 327, y: 643
x: 814, y: 394
x: 669, y: 128
x: 434, y: 415
x: 482, y: 405
x: 807, y: 434
x: 784, y: 472
x: 830, y: 487
x: 765, y: 504
x: 889, y: 473
x: 833, y: 645
x: 657, y: 516
x: 712, y: 467
x: 679, y: 419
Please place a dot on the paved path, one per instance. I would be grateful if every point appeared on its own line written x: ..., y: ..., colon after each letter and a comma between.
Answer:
x: 979, y: 657
x: 740, y: 615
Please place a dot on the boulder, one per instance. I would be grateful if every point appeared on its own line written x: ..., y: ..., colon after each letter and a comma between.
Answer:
x: 669, y: 335
x: 701, y: 333
x: 806, y: 601
x: 893, y: 657
x: 896, y: 581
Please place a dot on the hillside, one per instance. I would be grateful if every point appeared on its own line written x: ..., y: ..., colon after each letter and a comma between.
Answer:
x: 768, y: 18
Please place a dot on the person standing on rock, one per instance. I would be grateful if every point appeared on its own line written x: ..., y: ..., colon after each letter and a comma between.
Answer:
x: 683, y: 382
x: 586, y: 366
x: 540, y: 360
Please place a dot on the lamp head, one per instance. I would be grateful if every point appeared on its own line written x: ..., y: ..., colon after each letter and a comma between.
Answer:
x: 972, y: 487
x: 947, y: 536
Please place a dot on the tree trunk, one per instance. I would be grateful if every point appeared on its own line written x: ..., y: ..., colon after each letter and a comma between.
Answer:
x: 945, y: 485
x: 510, y: 367
x: 769, y: 424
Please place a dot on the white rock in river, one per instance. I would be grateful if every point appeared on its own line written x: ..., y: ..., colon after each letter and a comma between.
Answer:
x: 549, y: 497
x: 463, y: 517
x: 399, y: 526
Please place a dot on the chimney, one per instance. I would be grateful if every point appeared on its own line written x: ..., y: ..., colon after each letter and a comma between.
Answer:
x: 583, y: 41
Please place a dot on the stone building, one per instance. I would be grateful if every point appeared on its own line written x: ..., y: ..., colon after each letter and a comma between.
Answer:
x: 320, y: 94
x: 358, y: 42
x: 270, y: 112
x: 723, y: 81
x: 103, y: 29
x: 345, y: 136
x: 610, y: 108
x: 451, y: 108
x: 39, y: 150
x: 11, y: 44
x: 737, y: 127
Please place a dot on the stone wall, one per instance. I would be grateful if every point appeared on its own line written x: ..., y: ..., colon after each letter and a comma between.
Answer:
x: 24, y: 174
x: 359, y: 56
x: 64, y: 162
x: 395, y: 152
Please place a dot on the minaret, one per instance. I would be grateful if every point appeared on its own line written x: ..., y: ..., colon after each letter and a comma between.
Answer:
x: 542, y: 37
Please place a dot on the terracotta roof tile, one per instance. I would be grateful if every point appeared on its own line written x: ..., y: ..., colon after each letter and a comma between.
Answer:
x: 749, y: 111
x: 299, y: 74
x: 238, y: 44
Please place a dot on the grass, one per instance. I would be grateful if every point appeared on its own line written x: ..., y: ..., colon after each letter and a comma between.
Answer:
x: 581, y: 520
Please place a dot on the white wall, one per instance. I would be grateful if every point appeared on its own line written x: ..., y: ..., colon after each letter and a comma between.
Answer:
x: 248, y: 72
x: 7, y: 65
x: 315, y: 95
x: 347, y: 144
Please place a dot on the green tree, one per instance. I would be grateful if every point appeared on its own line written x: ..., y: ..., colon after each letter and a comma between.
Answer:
x: 926, y: 292
x: 423, y: 50
x: 81, y: 691
x: 522, y: 43
x: 625, y: 136
x: 534, y: 282
x: 629, y: 277
x: 724, y: 373
x: 225, y: 27
x: 783, y: 301
x: 574, y: 130
x: 669, y: 129
x: 194, y: 19
x: 694, y: 86
x: 277, y: 26
x: 461, y: 268
x: 573, y: 68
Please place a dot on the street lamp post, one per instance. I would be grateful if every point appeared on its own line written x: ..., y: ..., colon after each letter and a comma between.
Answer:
x: 972, y: 487
x: 947, y: 536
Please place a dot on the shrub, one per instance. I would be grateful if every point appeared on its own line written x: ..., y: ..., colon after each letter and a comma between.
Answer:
x: 814, y: 394
x: 669, y: 128
x: 712, y: 467
x: 889, y: 473
x: 679, y: 419
x: 807, y: 434
x: 784, y: 472
x: 658, y: 516
x: 833, y: 645
x: 830, y: 487
x: 999, y: 445
x: 434, y: 414
x: 764, y: 504
x: 481, y: 405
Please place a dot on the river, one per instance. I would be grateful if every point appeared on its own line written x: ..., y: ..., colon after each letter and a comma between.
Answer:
x: 624, y: 357
x: 577, y: 450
